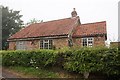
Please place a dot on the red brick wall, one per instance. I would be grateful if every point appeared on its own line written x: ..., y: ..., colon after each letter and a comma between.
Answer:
x: 29, y: 45
x: 98, y: 41
x: 35, y: 44
x: 59, y: 43
x: 32, y: 44
x: 77, y: 42
x: 12, y: 45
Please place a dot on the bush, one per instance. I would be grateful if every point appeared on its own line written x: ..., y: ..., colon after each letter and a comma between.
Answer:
x: 104, y: 60
x: 29, y: 58
x: 93, y: 60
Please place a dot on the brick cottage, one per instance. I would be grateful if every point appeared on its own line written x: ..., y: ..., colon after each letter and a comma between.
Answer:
x: 60, y: 33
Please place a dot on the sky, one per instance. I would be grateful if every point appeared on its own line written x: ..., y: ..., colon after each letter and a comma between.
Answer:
x: 89, y: 11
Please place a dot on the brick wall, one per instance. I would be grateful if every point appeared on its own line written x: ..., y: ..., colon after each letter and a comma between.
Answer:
x: 35, y: 44
x: 30, y: 45
x: 59, y: 43
x: 98, y: 41
x: 77, y: 42
x: 12, y: 45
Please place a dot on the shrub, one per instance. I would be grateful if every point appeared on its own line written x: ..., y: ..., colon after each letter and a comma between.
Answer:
x: 93, y: 60
x: 29, y: 58
x: 81, y: 60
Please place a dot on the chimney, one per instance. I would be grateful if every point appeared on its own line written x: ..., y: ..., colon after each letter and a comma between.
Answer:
x: 74, y: 13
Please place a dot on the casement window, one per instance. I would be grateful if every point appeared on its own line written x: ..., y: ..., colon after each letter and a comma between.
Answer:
x: 21, y: 45
x: 88, y: 42
x: 46, y: 44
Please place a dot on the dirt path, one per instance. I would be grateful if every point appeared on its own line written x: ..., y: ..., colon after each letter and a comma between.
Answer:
x: 9, y: 74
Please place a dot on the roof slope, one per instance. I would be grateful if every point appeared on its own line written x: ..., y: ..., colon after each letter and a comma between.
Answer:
x: 90, y: 29
x: 50, y: 28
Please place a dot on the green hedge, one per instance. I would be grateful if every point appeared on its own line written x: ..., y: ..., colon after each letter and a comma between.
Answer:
x: 104, y: 60
x: 93, y: 60
x: 29, y: 58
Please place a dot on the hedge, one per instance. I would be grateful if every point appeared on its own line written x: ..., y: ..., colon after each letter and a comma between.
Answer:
x: 29, y: 58
x: 104, y: 60
x: 94, y: 60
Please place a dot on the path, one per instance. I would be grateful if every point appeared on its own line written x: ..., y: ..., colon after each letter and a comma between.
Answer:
x: 8, y: 74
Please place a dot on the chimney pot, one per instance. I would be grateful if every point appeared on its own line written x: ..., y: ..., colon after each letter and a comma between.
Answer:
x: 74, y: 13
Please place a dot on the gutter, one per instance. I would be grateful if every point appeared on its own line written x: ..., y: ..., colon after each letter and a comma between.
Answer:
x: 38, y: 38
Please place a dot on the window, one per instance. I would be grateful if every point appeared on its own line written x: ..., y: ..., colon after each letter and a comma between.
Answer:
x: 46, y: 44
x: 87, y: 42
x: 21, y: 45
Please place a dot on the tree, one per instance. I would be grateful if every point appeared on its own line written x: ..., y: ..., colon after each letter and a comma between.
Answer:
x: 32, y: 21
x: 11, y: 23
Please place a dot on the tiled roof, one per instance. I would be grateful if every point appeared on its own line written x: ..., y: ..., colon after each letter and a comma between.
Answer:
x: 90, y: 29
x: 61, y: 27
x: 50, y: 28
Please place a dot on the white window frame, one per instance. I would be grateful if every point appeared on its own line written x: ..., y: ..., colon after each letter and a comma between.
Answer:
x: 21, y: 45
x: 44, y: 41
x: 88, y: 45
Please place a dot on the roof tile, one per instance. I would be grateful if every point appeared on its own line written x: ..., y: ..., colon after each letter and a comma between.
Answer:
x: 90, y: 29
x: 50, y: 28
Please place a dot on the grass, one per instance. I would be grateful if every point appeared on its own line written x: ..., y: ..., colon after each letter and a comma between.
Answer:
x: 30, y: 72
x: 33, y: 72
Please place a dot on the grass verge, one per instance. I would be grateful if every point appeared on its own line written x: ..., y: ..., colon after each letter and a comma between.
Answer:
x: 34, y: 73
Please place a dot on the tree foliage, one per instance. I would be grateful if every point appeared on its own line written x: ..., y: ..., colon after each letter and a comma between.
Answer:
x: 11, y: 23
x: 32, y: 21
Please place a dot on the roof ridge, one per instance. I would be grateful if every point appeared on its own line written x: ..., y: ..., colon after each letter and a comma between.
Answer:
x: 51, y: 21
x: 54, y: 20
x: 93, y: 23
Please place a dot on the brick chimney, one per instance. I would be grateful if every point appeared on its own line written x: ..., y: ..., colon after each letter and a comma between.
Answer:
x: 74, y: 13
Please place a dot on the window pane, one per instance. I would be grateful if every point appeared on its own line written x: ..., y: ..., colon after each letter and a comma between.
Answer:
x: 45, y: 41
x: 50, y: 44
x: 45, y: 45
x: 87, y: 42
x: 84, y: 41
x: 90, y: 42
x: 89, y: 38
x: 41, y: 44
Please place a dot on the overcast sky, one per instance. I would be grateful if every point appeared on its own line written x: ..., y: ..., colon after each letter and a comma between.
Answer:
x: 89, y: 11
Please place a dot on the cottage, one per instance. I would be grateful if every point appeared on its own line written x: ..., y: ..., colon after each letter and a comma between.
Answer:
x: 59, y: 33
